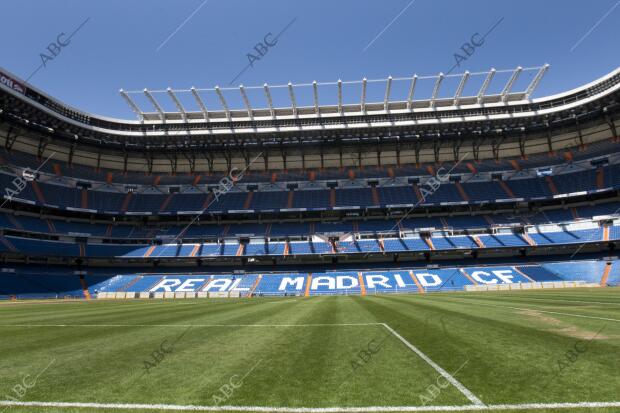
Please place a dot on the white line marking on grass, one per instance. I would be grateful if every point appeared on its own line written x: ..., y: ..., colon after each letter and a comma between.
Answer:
x: 540, y: 406
x: 567, y: 314
x: 549, y: 312
x: 190, y: 325
x: 563, y: 299
x: 472, y: 398
x: 369, y: 409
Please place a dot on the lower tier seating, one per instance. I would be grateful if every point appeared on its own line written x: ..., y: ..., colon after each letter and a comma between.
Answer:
x: 125, y: 230
x: 30, y: 282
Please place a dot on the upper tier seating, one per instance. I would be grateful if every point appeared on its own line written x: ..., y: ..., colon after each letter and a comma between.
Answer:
x: 151, y: 198
x: 56, y: 167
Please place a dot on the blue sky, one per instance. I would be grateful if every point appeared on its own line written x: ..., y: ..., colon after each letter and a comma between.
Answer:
x: 183, y: 43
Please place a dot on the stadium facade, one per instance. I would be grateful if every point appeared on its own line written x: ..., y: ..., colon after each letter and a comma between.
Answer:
x: 462, y: 188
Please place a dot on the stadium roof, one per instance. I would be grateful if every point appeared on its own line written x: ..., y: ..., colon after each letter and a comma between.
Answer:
x: 454, y: 108
x: 436, y: 96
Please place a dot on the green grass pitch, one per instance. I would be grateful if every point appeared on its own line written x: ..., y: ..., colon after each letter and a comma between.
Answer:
x: 415, y: 352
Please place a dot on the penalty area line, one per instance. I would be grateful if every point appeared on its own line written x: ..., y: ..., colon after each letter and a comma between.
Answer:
x: 470, y: 396
x: 370, y: 409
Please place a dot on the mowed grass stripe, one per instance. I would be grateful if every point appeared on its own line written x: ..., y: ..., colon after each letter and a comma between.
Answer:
x: 166, y: 313
x: 603, y: 311
x: 114, y: 310
x: 610, y: 307
x: 111, y: 348
x: 116, y: 350
x: 565, y: 300
x: 573, y: 298
x: 227, y: 352
x: 597, y: 313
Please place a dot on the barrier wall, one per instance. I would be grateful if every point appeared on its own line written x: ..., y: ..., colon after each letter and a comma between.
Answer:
x: 531, y: 286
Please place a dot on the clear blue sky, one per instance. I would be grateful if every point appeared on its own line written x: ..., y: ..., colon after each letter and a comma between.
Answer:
x: 122, y: 43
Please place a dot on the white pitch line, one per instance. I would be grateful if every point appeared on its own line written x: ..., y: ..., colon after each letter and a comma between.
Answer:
x: 261, y: 409
x: 541, y: 406
x: 560, y: 299
x: 191, y: 325
x: 472, y: 398
x: 549, y: 312
x: 567, y: 314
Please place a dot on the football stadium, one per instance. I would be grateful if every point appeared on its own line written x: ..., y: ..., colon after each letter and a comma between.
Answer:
x: 442, y: 242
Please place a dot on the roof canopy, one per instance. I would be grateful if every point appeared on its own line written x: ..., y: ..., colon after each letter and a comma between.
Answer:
x: 366, y: 96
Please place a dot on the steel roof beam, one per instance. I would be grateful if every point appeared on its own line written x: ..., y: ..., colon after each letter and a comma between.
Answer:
x: 132, y: 104
x: 155, y: 104
x: 388, y: 89
x: 246, y: 101
x: 414, y: 80
x: 177, y: 103
x: 200, y: 103
x: 223, y: 102
x: 511, y: 82
x: 534, y: 83
x: 363, y: 98
x: 340, y: 109
x: 459, y: 89
x: 269, y: 100
x: 485, y: 85
x: 436, y: 88
x: 315, y: 89
x: 291, y: 94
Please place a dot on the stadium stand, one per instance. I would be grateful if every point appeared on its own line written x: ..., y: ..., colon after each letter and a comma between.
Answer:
x: 30, y: 283
x: 119, y: 217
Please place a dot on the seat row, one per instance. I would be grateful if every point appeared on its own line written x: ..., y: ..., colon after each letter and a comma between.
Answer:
x: 112, y: 200
x: 59, y: 168
x: 198, y: 230
x: 579, y: 233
